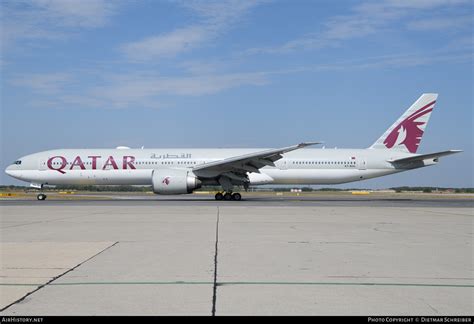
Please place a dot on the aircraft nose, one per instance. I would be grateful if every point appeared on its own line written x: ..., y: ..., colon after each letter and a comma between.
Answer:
x: 12, y: 171
x: 9, y: 170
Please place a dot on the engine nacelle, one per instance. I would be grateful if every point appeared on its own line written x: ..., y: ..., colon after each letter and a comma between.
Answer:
x: 174, y: 181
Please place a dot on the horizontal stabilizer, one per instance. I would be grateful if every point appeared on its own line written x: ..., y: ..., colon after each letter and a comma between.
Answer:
x: 424, y: 157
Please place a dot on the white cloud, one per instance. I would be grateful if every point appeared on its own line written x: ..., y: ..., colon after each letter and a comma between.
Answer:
x: 365, y: 19
x: 221, y: 12
x: 138, y: 90
x: 167, y: 45
x: 404, y: 61
x: 215, y: 18
x: 50, y: 19
x: 461, y: 43
x: 145, y: 89
x: 47, y: 84
x: 203, y: 67
x: 422, y: 4
x: 86, y: 13
x: 433, y: 24
x: 142, y: 90
x: 129, y: 90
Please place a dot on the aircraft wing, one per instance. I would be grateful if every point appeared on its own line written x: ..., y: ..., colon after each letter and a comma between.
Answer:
x: 242, y: 164
x: 424, y: 157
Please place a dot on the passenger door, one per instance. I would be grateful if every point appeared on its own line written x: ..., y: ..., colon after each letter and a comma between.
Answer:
x: 362, y: 163
x: 42, y: 165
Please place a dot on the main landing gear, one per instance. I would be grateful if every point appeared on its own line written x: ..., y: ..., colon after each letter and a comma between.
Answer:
x: 41, y: 196
x: 228, y: 196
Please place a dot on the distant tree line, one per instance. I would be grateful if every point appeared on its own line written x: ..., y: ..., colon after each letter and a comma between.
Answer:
x: 432, y: 189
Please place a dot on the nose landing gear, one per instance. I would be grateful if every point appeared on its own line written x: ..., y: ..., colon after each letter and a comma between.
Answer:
x: 41, y: 196
x: 39, y: 187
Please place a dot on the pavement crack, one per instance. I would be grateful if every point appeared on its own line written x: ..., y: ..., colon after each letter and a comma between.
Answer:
x: 57, y: 277
x: 428, y: 304
x: 49, y: 220
x: 214, y: 286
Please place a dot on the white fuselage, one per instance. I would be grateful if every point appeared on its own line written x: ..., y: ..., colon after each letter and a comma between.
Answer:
x: 135, y: 166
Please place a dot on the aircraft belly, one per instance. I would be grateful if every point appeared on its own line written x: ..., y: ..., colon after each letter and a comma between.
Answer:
x: 311, y: 176
x: 327, y: 176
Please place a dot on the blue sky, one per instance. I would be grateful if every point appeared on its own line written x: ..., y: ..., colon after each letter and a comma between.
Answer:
x: 95, y: 73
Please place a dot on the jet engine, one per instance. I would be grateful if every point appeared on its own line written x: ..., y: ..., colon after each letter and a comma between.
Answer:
x: 174, y: 181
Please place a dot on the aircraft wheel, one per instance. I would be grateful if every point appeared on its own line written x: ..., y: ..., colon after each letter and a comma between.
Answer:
x: 219, y: 196
x: 41, y: 197
x: 227, y: 196
x: 236, y: 196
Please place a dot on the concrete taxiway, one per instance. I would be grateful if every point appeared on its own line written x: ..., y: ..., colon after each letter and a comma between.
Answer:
x: 327, y: 255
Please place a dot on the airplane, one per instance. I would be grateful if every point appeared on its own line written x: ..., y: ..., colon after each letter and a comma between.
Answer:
x: 181, y: 171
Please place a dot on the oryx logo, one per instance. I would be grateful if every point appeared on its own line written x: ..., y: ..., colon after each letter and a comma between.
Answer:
x: 166, y: 181
x: 410, y: 131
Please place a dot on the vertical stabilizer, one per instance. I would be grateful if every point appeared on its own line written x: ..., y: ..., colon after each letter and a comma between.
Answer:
x: 406, y: 133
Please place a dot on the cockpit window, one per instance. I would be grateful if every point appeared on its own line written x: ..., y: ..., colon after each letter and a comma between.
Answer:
x: 18, y: 162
